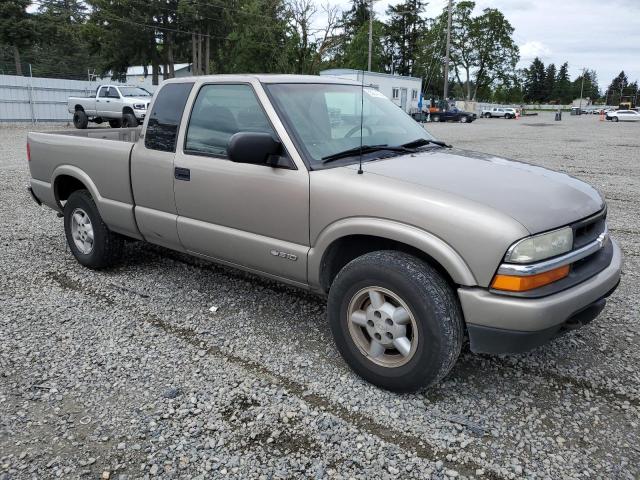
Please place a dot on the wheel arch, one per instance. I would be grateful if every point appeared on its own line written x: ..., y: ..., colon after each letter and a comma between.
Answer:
x: 67, y: 179
x: 127, y: 109
x: 78, y: 108
x: 347, y: 239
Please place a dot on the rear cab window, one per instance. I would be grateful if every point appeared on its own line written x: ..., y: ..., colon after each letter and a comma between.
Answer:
x: 165, y: 117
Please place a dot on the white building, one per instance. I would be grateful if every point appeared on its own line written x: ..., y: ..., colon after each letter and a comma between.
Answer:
x: 136, y: 76
x: 403, y: 91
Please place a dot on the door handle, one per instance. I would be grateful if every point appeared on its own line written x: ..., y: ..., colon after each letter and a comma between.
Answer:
x: 182, y: 174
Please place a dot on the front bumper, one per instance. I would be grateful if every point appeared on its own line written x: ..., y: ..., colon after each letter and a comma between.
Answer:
x: 140, y: 114
x: 504, y: 324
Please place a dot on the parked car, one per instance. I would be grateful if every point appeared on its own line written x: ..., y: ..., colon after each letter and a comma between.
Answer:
x: 120, y: 105
x: 453, y: 115
x: 623, y: 116
x: 499, y: 112
x: 414, y: 243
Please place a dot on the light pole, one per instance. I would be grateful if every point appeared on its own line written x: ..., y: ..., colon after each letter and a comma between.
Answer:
x: 584, y: 69
x: 446, y: 56
x: 370, y: 33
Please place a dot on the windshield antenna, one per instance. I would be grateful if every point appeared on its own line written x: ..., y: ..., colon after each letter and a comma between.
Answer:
x: 361, y: 120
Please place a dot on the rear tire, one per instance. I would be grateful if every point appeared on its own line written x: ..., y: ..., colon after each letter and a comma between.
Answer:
x: 435, y: 118
x: 115, y: 123
x: 90, y: 240
x: 464, y: 119
x: 487, y: 115
x: 395, y: 320
x: 129, y: 120
x: 80, y: 119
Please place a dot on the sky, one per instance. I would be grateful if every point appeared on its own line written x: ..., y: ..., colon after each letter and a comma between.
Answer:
x: 603, y: 35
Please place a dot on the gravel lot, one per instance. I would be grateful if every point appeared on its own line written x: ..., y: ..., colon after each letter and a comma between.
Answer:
x: 128, y: 374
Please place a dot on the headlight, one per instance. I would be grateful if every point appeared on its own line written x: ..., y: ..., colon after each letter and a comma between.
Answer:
x: 140, y: 106
x: 541, y: 246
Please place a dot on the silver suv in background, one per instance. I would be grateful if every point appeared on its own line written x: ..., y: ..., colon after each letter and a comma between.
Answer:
x: 329, y: 186
x: 120, y: 105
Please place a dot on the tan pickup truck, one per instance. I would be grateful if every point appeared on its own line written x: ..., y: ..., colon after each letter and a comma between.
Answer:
x: 327, y: 185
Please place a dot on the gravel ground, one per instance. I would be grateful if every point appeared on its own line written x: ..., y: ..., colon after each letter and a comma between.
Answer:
x: 128, y: 374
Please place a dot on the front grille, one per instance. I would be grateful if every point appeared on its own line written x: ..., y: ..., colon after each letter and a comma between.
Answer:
x: 587, y: 230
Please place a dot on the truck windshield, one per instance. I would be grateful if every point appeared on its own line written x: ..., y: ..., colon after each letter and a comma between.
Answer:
x: 134, y: 92
x: 325, y: 119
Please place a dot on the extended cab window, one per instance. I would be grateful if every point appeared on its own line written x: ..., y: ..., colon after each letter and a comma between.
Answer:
x: 220, y: 111
x: 165, y: 117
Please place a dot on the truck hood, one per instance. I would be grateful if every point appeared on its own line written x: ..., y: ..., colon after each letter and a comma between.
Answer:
x: 144, y: 100
x: 538, y: 198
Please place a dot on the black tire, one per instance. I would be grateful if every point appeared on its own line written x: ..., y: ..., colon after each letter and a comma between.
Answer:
x: 129, y: 120
x: 107, y: 246
x: 435, y: 118
x: 428, y: 296
x: 507, y: 116
x: 487, y: 115
x: 80, y: 119
x: 115, y: 123
x: 615, y: 119
x: 464, y: 119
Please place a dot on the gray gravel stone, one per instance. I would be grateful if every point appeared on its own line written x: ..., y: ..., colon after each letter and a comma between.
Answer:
x: 91, y: 361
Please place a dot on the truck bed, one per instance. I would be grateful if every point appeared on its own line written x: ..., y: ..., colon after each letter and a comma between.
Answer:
x: 99, y: 157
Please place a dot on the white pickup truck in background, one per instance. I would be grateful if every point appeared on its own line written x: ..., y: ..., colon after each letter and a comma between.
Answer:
x: 499, y: 112
x: 120, y: 105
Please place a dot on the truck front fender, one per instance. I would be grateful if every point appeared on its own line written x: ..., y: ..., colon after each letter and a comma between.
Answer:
x: 433, y: 246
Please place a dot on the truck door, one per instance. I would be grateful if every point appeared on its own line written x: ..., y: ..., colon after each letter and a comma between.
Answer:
x: 152, y: 167
x: 249, y: 215
x: 101, y: 101
x: 113, y: 108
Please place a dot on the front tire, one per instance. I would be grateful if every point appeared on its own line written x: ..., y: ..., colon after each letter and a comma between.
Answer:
x: 90, y: 240
x: 395, y: 320
x: 615, y: 119
x: 435, y: 118
x: 129, y: 120
x: 115, y: 123
x: 80, y: 119
x: 464, y: 119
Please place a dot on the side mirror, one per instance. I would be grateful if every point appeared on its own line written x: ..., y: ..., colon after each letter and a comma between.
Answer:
x: 254, y: 147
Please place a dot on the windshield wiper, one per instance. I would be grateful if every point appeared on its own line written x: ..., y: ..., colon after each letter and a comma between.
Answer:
x: 350, y: 152
x: 423, y: 141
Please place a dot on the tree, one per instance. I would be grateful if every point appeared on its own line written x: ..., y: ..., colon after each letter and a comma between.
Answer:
x: 16, y: 28
x: 549, y: 82
x: 404, y: 28
x: 588, y: 88
x: 482, y: 48
x: 534, y: 81
x: 562, y: 89
x: 617, y: 88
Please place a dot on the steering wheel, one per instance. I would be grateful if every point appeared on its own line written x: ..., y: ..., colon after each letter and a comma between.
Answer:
x: 356, y: 129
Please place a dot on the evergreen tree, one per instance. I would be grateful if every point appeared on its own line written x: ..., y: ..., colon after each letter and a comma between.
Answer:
x: 404, y: 28
x: 563, y: 92
x: 16, y: 28
x: 617, y: 88
x: 534, y: 82
x: 549, y: 82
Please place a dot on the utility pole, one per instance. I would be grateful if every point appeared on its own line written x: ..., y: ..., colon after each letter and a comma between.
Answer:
x: 370, y: 33
x: 584, y: 69
x: 446, y: 57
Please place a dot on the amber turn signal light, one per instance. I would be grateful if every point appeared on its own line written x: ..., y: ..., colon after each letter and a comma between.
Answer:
x: 513, y: 283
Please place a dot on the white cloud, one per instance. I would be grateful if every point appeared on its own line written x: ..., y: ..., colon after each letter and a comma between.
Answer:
x: 533, y: 49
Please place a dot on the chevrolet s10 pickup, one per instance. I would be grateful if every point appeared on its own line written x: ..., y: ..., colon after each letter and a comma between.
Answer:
x: 327, y: 185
